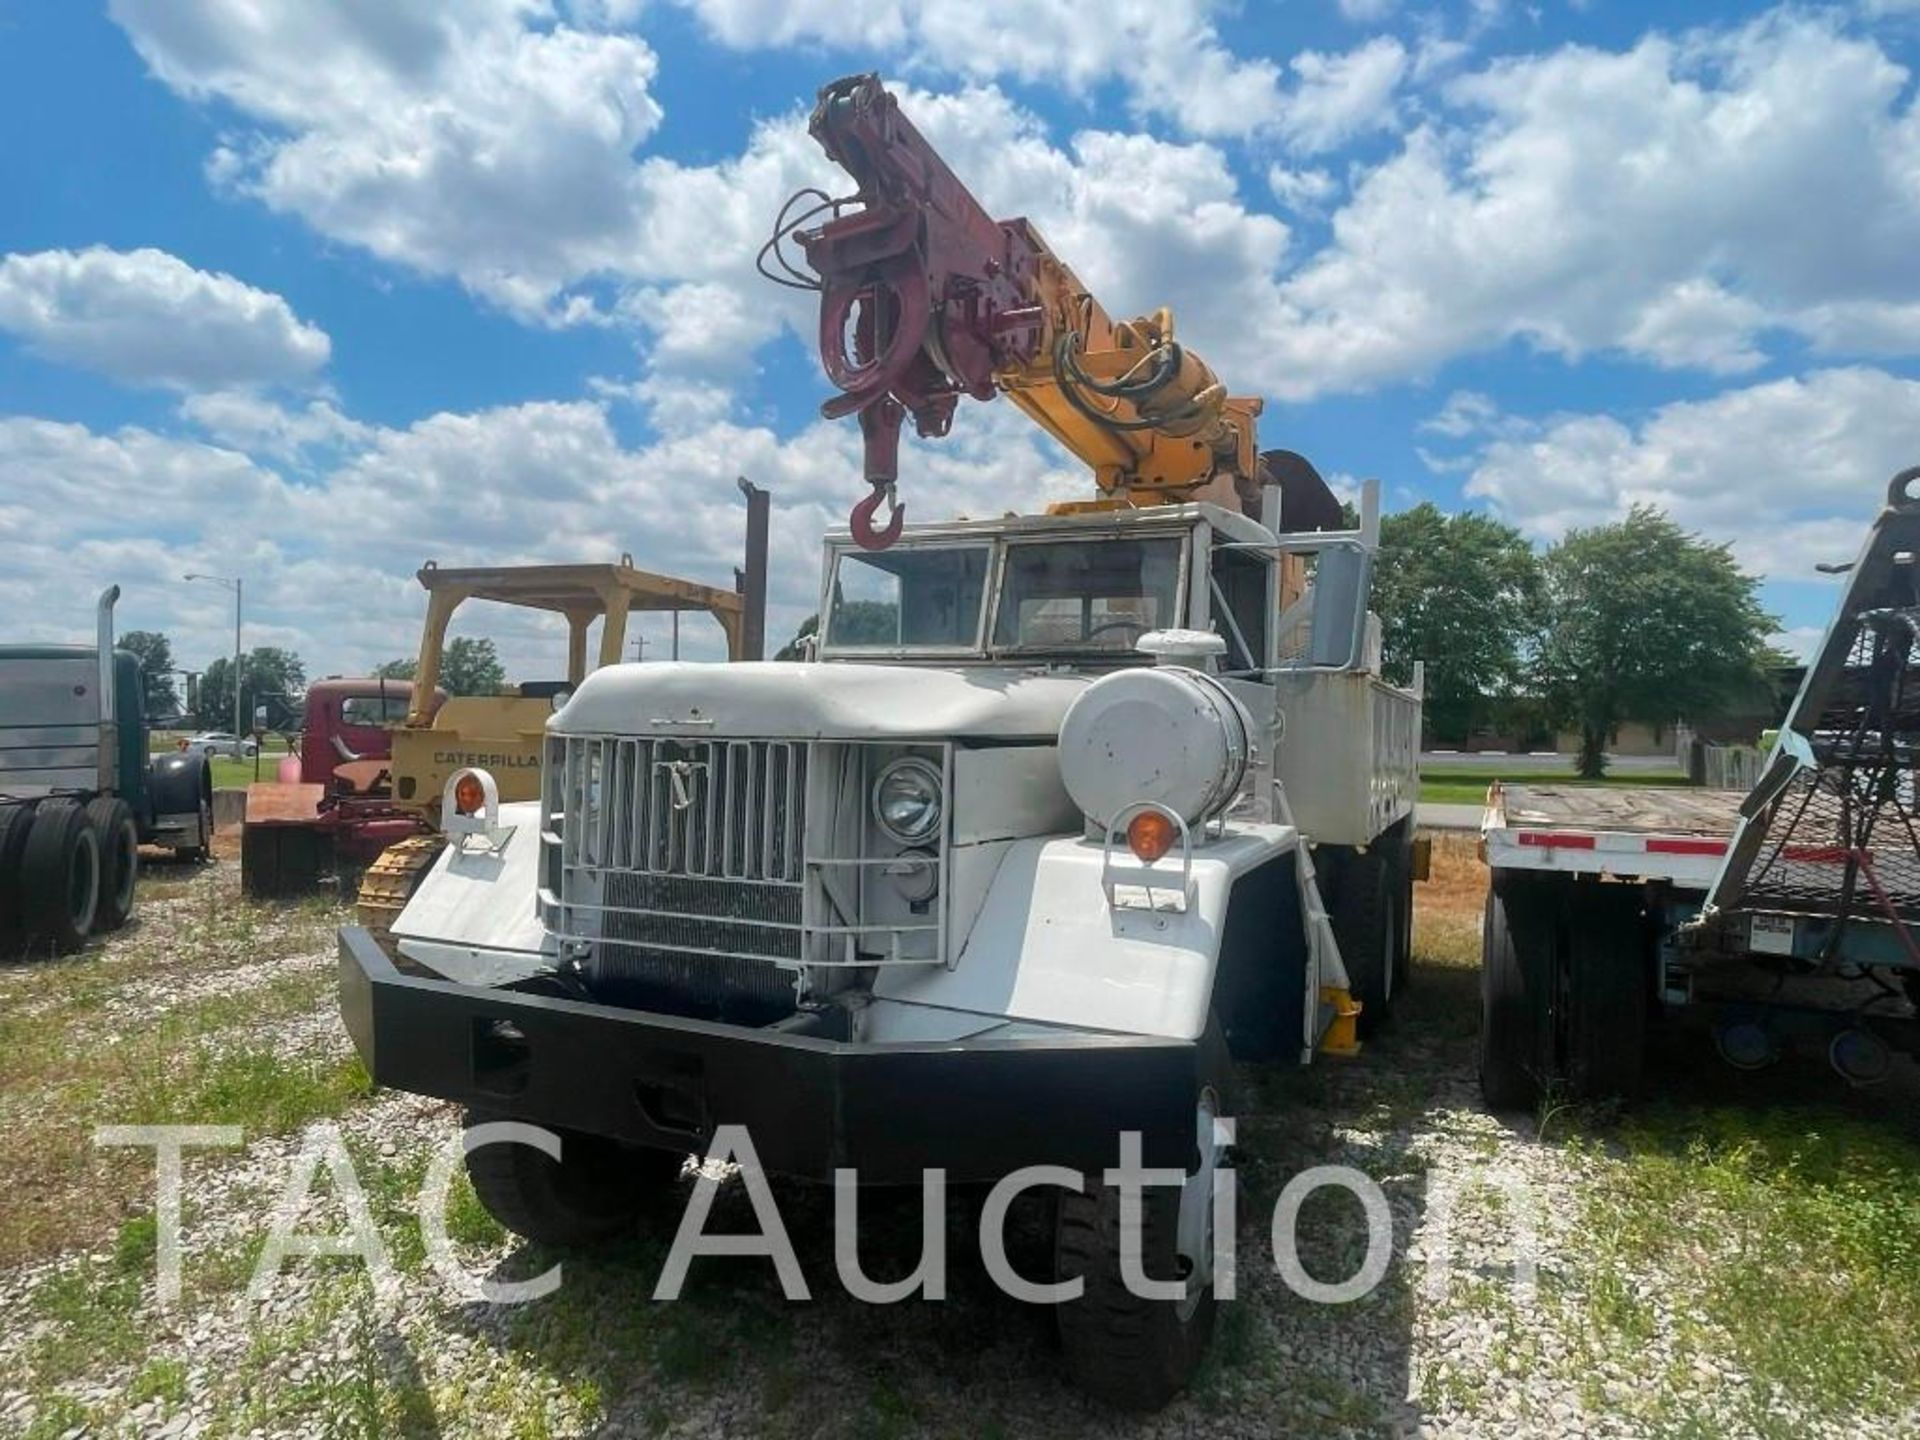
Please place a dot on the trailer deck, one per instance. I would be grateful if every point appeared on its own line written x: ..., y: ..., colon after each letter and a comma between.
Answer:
x: 1647, y: 832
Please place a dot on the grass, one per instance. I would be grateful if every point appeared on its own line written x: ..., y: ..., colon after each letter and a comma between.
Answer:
x: 70, y: 1060
x: 1773, y: 1242
x: 1443, y: 787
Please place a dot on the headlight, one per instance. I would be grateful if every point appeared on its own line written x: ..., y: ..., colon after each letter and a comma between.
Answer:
x: 906, y: 800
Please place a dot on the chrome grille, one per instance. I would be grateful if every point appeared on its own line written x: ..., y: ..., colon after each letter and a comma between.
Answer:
x: 678, y: 846
x: 724, y: 809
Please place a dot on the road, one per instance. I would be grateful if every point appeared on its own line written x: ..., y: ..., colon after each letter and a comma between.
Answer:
x: 1444, y: 762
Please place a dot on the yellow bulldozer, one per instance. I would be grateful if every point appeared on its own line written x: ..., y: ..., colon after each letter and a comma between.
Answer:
x: 502, y: 732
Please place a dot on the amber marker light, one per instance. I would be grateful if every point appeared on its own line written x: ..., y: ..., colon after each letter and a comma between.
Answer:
x: 468, y: 794
x: 1150, y: 835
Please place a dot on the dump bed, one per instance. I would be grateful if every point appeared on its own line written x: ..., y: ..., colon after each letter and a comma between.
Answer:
x: 1652, y: 832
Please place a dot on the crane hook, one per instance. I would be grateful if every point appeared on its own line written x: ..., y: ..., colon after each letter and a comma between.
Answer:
x: 861, y: 520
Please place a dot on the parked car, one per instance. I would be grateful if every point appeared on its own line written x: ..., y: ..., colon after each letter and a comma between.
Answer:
x: 218, y: 742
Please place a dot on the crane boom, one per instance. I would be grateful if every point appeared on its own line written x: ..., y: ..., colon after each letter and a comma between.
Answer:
x: 925, y: 297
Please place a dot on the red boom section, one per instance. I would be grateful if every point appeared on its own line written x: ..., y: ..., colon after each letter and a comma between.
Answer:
x: 924, y: 294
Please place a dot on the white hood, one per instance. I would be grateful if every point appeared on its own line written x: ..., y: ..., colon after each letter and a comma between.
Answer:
x: 779, y: 699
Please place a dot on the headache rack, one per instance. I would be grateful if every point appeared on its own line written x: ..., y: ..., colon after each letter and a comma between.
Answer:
x: 699, y: 862
x: 1830, y: 831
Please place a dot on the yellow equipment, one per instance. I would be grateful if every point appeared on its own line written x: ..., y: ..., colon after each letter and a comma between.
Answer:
x: 501, y: 733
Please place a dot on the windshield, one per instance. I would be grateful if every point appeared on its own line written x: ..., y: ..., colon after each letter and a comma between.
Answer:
x: 1087, y: 594
x: 907, y: 598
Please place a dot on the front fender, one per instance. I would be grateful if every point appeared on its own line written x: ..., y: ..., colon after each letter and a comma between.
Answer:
x: 177, y: 781
x: 1050, y: 947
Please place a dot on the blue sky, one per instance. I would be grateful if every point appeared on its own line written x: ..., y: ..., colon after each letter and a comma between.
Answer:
x: 311, y: 293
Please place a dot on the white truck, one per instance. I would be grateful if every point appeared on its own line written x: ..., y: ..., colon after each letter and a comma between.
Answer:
x: 1064, y: 813
x: 1777, y: 920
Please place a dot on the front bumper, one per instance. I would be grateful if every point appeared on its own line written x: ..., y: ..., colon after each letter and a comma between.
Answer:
x: 976, y: 1108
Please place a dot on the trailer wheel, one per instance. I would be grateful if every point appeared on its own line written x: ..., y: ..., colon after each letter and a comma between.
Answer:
x: 1607, y: 992
x: 59, y: 877
x: 119, y: 837
x: 595, y: 1190
x: 1516, y: 976
x: 1131, y: 1352
x: 1367, y: 923
x: 15, y: 821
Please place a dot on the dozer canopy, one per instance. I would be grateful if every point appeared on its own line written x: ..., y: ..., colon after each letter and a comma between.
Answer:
x: 582, y: 593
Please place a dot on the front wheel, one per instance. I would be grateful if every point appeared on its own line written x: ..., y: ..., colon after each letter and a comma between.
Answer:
x: 1131, y: 1351
x: 595, y: 1190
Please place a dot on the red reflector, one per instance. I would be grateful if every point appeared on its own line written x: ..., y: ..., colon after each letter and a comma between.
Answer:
x: 1556, y: 840
x: 1817, y: 854
x: 1686, y: 847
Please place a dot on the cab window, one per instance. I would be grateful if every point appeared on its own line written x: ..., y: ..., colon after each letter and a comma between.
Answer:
x: 1081, y: 595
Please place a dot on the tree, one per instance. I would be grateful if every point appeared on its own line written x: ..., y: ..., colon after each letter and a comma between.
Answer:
x: 1461, y: 592
x: 155, y: 654
x: 271, y: 677
x: 471, y: 667
x: 1645, y: 622
x: 396, y: 669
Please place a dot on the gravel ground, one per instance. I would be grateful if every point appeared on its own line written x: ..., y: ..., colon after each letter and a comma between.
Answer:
x: 1452, y: 1342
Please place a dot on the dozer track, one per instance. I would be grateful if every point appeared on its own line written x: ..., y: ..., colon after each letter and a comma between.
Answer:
x: 389, y: 882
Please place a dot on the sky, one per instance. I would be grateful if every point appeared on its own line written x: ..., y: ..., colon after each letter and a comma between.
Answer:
x: 310, y: 293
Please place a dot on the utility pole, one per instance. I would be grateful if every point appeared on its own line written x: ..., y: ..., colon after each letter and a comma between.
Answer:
x: 751, y: 581
x: 640, y: 647
x: 238, y: 586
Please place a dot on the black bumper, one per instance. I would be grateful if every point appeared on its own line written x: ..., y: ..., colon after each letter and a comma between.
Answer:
x: 975, y: 1108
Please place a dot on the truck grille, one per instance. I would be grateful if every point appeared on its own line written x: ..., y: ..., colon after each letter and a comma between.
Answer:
x: 680, y: 863
x: 679, y: 869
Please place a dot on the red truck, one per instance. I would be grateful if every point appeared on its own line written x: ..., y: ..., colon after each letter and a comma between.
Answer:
x: 331, y: 805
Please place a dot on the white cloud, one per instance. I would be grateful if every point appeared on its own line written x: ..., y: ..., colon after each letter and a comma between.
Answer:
x: 1789, y: 470
x: 1305, y: 192
x: 1169, y: 54
x: 1671, y: 201
x: 329, y: 553
x: 148, y: 318
x: 484, y: 138
x: 1341, y: 97
x: 247, y: 421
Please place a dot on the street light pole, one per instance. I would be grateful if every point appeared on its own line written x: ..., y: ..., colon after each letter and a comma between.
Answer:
x: 238, y: 586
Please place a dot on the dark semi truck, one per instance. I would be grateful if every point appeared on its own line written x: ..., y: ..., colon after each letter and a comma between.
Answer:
x: 80, y: 794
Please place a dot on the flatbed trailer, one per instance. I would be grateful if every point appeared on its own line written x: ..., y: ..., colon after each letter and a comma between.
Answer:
x: 1785, y: 917
x: 1589, y: 949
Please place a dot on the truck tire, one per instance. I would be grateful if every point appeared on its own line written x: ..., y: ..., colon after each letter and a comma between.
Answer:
x: 1403, y: 888
x: 113, y: 824
x: 1127, y: 1351
x: 1609, y: 985
x: 1367, y: 924
x: 1517, y: 1053
x: 59, y: 877
x: 596, y: 1190
x: 15, y: 822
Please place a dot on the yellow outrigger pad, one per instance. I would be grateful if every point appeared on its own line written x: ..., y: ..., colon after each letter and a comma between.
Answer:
x: 1342, y: 1036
